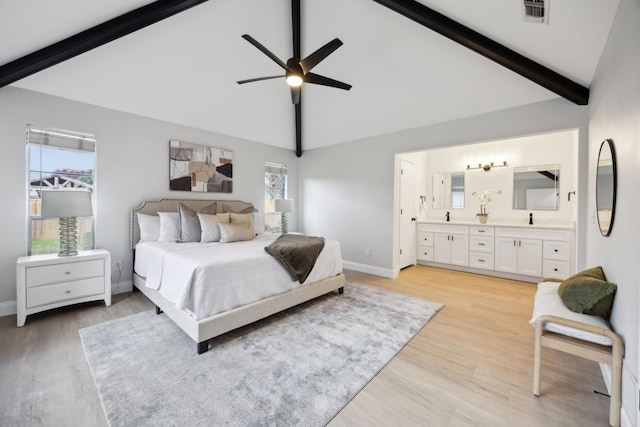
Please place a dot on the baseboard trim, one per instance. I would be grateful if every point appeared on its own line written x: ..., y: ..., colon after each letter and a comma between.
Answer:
x: 369, y: 269
x: 8, y: 308
x: 122, y: 287
x: 629, y: 398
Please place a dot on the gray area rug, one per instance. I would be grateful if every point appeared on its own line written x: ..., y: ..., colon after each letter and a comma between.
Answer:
x: 296, y: 368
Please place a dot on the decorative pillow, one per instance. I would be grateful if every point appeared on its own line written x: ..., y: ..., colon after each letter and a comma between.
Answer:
x: 241, y: 208
x: 210, y: 227
x: 588, y: 292
x: 189, y: 222
x: 169, y: 227
x: 149, y: 226
x: 236, y: 232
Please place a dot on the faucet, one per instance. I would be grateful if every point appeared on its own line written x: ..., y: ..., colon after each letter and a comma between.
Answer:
x: 530, y: 218
x: 447, y: 216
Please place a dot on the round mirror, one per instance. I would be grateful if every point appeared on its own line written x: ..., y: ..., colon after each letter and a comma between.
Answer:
x: 606, y: 187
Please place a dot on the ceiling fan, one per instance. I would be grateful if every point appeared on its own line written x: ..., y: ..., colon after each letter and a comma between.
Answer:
x: 298, y: 71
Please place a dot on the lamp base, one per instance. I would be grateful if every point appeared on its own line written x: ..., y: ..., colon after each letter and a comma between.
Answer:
x: 68, y: 236
x: 283, y: 223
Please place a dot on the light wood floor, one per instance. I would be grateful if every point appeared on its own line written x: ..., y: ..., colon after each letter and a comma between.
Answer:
x: 470, y: 366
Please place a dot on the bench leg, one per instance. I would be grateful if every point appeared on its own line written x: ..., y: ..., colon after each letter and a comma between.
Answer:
x: 615, y: 405
x: 537, y: 361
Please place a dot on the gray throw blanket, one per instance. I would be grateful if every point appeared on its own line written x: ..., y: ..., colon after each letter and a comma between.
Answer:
x: 296, y: 253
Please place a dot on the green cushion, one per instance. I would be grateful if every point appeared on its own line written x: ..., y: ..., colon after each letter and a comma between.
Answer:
x: 588, y: 292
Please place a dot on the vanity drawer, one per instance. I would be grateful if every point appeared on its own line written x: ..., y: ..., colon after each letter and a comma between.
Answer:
x: 480, y: 231
x: 556, y: 250
x: 481, y: 260
x: 51, y: 294
x: 481, y: 244
x: 555, y: 269
x: 69, y: 272
x: 425, y: 239
x: 425, y: 253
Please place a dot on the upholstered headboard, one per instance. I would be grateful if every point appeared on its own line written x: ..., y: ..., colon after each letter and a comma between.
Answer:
x: 152, y: 207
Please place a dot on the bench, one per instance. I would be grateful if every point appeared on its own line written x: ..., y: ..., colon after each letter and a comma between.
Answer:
x: 582, y: 335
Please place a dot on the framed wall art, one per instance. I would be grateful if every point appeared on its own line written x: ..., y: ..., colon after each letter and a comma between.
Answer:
x: 200, y: 168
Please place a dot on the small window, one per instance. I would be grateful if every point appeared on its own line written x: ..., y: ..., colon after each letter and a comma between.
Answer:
x: 58, y: 160
x: 275, y: 187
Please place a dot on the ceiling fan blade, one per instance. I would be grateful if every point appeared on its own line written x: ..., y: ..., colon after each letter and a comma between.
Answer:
x: 295, y: 25
x: 264, y: 50
x: 325, y: 81
x: 295, y: 94
x: 316, y: 57
x: 298, y: 109
x: 257, y: 79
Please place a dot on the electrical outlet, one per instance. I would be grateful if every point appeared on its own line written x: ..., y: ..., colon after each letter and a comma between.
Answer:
x: 119, y: 265
x: 368, y: 252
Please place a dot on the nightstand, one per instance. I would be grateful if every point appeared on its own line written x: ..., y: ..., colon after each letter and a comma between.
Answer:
x: 49, y: 281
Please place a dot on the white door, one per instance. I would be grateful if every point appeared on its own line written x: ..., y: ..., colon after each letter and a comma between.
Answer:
x: 530, y: 257
x: 442, y: 247
x: 459, y: 249
x: 506, y: 257
x: 407, y: 215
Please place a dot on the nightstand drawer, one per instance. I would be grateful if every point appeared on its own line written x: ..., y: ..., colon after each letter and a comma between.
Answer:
x: 69, y: 272
x: 50, y: 294
x: 425, y: 253
x: 481, y: 260
x: 556, y: 250
x: 481, y: 244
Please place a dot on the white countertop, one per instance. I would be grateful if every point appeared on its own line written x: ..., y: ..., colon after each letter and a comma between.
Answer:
x: 499, y: 222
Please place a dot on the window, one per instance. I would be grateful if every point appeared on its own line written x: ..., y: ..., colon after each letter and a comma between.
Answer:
x: 58, y: 160
x: 275, y: 187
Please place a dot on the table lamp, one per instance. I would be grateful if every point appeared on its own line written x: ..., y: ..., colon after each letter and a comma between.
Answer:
x: 284, y: 206
x: 66, y: 205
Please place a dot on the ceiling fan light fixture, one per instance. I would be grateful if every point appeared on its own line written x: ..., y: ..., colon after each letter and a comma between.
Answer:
x: 294, y: 80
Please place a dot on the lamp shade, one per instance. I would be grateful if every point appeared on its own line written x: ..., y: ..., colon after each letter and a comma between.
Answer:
x: 66, y: 203
x: 283, y: 205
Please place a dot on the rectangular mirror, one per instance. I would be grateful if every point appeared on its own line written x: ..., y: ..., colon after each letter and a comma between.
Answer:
x: 448, y: 190
x: 536, y: 187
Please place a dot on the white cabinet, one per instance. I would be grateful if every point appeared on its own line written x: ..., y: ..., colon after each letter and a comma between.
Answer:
x: 481, y: 246
x: 517, y: 251
x: 447, y: 244
x: 49, y: 281
x: 425, y: 246
x: 520, y: 256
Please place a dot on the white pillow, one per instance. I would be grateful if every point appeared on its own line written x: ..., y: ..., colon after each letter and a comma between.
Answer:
x: 169, y: 227
x: 548, y: 302
x: 210, y: 230
x: 149, y: 226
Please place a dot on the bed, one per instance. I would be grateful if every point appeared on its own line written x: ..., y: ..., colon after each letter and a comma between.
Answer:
x: 211, y: 288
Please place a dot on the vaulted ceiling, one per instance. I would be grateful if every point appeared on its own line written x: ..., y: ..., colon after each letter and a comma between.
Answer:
x: 184, y: 69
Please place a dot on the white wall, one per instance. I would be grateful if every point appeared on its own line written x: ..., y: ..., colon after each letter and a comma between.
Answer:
x: 347, y: 190
x: 535, y: 150
x: 615, y: 113
x: 132, y: 165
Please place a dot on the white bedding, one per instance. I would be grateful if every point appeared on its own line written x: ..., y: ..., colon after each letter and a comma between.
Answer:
x: 208, y: 278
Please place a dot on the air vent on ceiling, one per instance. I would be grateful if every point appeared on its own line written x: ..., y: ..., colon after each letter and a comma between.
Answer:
x: 536, y: 11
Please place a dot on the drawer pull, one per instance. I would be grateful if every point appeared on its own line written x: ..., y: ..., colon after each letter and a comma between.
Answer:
x: 480, y: 231
x: 480, y: 260
x: 480, y: 244
x: 67, y: 291
x: 555, y: 269
x: 555, y: 250
x: 67, y: 272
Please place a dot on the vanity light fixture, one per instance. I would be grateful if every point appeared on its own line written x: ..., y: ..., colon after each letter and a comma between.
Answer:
x: 488, y: 166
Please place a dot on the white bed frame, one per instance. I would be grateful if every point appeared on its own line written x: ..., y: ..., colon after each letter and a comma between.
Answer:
x: 201, y: 331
